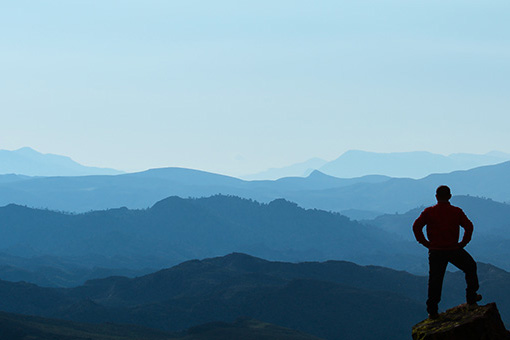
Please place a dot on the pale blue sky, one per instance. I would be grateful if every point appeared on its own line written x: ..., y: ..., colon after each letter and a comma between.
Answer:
x: 240, y: 86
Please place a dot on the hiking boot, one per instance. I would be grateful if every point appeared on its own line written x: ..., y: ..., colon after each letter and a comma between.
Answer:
x: 432, y: 311
x: 473, y: 301
x: 433, y: 316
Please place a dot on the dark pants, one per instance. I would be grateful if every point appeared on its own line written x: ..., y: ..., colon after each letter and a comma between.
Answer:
x: 438, y: 260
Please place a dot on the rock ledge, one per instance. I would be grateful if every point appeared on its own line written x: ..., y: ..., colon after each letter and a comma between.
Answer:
x: 464, y: 323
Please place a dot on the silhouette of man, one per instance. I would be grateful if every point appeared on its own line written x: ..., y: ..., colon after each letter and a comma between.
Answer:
x: 443, y: 221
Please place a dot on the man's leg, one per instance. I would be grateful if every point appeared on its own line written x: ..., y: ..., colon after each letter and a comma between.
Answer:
x: 462, y: 260
x: 437, y: 268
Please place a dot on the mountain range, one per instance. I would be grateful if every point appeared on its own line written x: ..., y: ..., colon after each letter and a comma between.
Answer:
x: 166, y: 217
x: 60, y: 249
x: 176, y: 229
x: 321, y: 299
x: 27, y: 161
x: 302, y: 169
x: 162, y: 217
x: 329, y: 300
x: 357, y: 163
x: 351, y: 164
x: 361, y: 197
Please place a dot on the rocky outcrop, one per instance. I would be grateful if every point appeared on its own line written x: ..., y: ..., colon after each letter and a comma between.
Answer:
x: 464, y: 323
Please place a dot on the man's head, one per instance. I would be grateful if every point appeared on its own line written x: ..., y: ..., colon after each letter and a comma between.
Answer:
x: 443, y: 193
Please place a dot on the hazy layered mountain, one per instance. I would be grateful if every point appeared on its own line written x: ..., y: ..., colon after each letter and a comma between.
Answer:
x: 143, y: 189
x: 58, y: 249
x: 357, y: 163
x: 316, y: 180
x: 136, y: 190
x: 359, y: 197
x: 417, y: 164
x: 330, y: 300
x: 400, y: 194
x: 176, y: 229
x: 295, y: 170
x: 351, y: 164
x: 26, y: 161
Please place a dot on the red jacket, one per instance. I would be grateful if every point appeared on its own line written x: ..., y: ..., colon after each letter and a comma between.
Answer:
x: 443, y: 221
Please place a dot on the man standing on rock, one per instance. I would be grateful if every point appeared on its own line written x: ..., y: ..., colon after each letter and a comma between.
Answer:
x: 443, y: 221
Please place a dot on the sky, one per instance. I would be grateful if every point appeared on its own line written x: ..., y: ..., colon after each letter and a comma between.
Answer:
x: 236, y: 87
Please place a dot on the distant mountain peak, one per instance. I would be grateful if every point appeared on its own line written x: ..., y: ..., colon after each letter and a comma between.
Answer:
x: 282, y: 202
x: 301, y: 169
x: 26, y: 150
x: 238, y: 259
x: 30, y: 162
x: 355, y: 163
x: 168, y: 202
x: 317, y: 173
